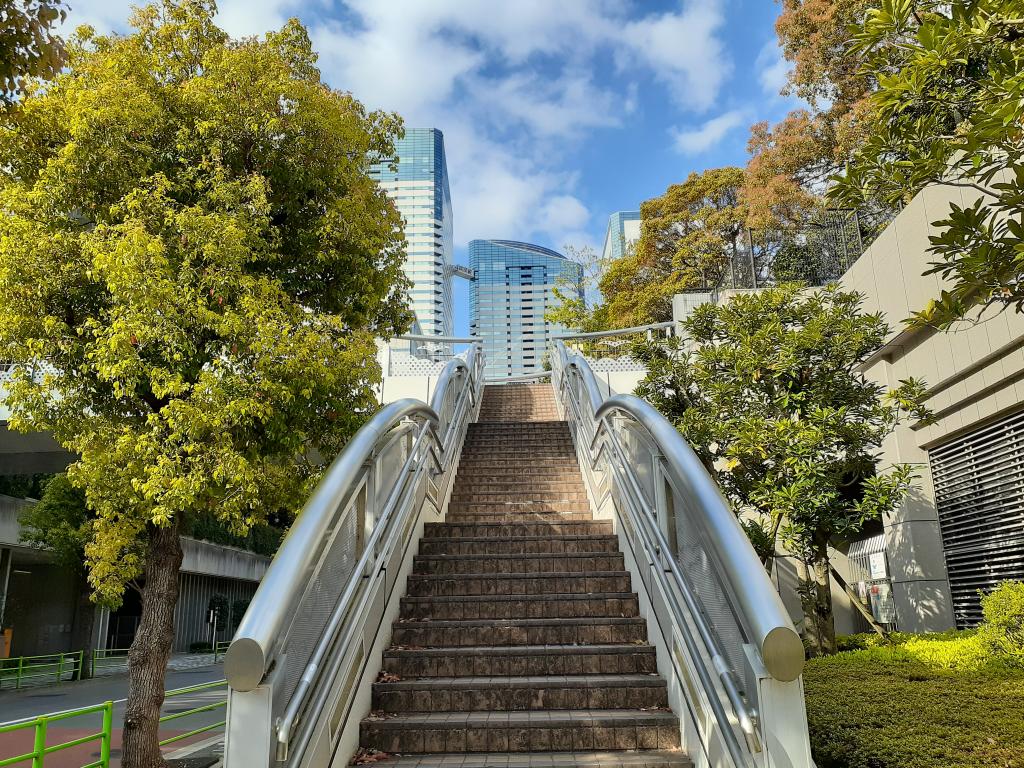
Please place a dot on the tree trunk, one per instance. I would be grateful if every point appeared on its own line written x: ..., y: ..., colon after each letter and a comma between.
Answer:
x: 816, y: 600
x: 147, y: 658
x: 83, y: 625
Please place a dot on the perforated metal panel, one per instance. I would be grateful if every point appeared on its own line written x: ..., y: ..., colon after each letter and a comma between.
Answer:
x: 979, y: 493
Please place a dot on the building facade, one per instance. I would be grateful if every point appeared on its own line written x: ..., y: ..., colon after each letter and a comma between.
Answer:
x: 623, y: 229
x: 513, y: 288
x: 417, y: 180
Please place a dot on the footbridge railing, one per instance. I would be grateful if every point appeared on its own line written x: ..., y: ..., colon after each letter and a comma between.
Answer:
x: 297, y: 664
x: 725, y: 641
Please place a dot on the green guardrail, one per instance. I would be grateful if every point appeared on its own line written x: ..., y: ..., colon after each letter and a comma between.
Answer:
x: 51, y: 667
x: 219, y: 649
x: 195, y: 711
x: 108, y: 657
x: 40, y: 749
x: 40, y: 725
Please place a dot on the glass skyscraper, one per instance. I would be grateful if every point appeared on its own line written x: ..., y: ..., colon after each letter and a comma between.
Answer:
x: 419, y: 188
x: 514, y: 286
x: 623, y: 229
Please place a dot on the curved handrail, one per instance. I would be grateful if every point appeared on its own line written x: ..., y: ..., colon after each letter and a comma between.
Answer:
x: 613, y: 332
x: 779, y: 644
x: 267, y: 618
x: 602, y: 427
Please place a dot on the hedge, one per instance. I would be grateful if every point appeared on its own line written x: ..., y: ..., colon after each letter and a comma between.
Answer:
x: 882, y: 708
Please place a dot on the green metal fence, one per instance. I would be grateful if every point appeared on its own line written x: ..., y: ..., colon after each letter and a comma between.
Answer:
x: 195, y: 711
x: 108, y: 657
x: 34, y: 670
x: 40, y: 748
x: 39, y: 725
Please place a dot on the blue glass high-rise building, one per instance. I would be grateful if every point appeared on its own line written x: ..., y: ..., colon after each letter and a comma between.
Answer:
x: 514, y: 285
x: 623, y: 229
x: 419, y: 187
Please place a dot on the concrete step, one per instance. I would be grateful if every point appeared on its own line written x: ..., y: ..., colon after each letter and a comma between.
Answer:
x: 579, y: 631
x: 524, y: 506
x: 625, y: 659
x: 497, y: 516
x: 518, y: 694
x: 431, y: 585
x: 514, y: 530
x: 546, y: 731
x: 553, y: 606
x: 527, y: 492
x: 490, y: 462
x: 526, y: 483
x: 520, y: 545
x: 473, y: 474
x: 576, y: 562
x: 648, y: 758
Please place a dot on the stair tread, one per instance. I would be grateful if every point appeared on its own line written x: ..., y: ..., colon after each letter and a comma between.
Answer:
x: 542, y: 596
x: 520, y: 556
x: 549, y: 718
x: 651, y: 758
x: 521, y: 650
x: 519, y: 575
x: 574, y: 620
x: 530, y: 681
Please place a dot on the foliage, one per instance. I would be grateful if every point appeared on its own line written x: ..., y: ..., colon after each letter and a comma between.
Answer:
x: 60, y: 522
x: 29, y: 48
x: 865, y: 711
x: 792, y: 161
x: 575, y: 310
x: 1002, y: 632
x: 23, y: 486
x: 688, y: 238
x: 767, y: 391
x: 950, y: 108
x: 261, y: 538
x: 189, y: 238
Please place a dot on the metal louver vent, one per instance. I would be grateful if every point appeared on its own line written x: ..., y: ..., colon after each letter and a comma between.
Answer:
x: 979, y: 493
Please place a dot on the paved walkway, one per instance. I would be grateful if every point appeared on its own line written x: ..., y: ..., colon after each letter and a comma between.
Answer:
x: 29, y: 703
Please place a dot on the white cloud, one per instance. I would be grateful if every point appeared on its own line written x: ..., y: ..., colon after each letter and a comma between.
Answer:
x: 692, y: 141
x: 772, y: 68
x: 513, y: 85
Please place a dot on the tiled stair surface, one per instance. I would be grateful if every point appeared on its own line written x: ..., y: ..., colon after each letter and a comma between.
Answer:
x: 519, y: 642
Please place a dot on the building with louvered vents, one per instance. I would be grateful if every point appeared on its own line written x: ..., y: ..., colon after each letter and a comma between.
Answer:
x: 962, y: 531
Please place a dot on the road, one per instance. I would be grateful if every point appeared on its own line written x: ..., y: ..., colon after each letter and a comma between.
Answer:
x: 19, y: 706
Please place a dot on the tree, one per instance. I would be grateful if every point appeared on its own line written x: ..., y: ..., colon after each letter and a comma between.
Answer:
x: 951, y: 112
x: 28, y: 46
x: 767, y: 391
x: 574, y: 310
x: 792, y: 162
x: 194, y: 266
x: 62, y: 524
x: 688, y: 239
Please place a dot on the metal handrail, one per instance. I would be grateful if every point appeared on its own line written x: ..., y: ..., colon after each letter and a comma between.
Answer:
x: 760, y: 609
x: 614, y: 332
x: 440, y: 339
x: 431, y: 436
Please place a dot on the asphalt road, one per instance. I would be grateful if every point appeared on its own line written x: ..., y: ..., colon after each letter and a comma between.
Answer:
x: 27, y: 704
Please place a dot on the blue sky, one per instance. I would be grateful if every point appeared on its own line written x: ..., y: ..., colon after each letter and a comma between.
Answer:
x: 555, y: 112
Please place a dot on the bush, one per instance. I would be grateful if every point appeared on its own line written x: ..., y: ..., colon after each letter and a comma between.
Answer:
x: 883, y: 708
x: 1003, y: 630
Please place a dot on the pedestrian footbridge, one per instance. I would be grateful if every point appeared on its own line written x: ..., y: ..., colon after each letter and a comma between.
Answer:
x: 516, y: 574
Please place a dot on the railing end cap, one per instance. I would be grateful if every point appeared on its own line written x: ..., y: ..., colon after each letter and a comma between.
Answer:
x: 244, y: 664
x: 783, y: 654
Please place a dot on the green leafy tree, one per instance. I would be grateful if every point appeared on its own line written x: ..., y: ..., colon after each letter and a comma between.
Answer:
x: 766, y: 389
x: 688, y: 238
x: 573, y: 309
x: 61, y: 523
x: 950, y: 103
x: 29, y: 48
x: 194, y: 266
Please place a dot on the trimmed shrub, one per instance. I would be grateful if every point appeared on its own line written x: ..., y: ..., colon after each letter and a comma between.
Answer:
x: 1003, y: 630
x: 882, y: 708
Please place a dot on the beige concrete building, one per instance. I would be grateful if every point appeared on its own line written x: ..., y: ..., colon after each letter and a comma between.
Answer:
x: 962, y: 530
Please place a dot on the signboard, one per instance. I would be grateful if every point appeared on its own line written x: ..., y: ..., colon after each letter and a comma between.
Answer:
x: 876, y: 566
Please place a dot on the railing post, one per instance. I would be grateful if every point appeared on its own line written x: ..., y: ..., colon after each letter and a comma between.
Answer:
x: 106, y: 734
x: 39, y: 745
x: 21, y: 665
x: 60, y: 667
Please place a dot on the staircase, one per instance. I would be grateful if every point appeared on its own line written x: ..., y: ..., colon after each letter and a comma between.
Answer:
x: 519, y: 641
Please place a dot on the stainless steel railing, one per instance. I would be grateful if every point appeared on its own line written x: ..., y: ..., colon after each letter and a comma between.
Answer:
x: 293, y: 665
x: 737, y: 639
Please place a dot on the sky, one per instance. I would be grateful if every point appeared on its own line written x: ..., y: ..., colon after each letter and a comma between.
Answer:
x: 555, y: 113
